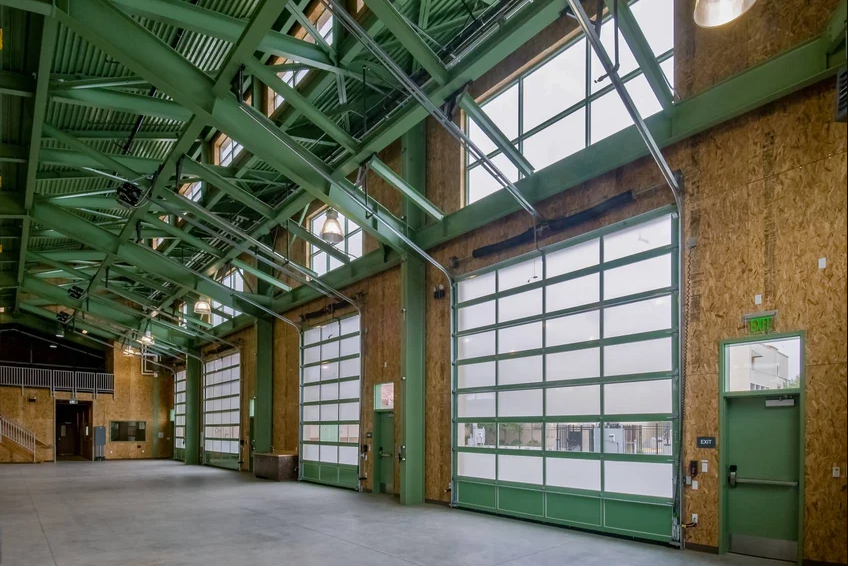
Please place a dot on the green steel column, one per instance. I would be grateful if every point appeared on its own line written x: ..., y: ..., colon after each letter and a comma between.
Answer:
x: 154, y: 430
x: 413, y: 293
x: 263, y: 417
x: 194, y: 383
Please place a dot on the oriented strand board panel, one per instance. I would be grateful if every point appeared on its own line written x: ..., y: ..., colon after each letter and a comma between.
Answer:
x: 36, y: 416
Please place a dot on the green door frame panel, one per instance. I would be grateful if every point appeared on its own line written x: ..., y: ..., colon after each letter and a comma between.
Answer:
x: 724, y: 543
x: 617, y: 513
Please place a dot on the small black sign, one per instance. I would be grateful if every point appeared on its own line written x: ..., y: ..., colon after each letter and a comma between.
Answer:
x: 706, y: 442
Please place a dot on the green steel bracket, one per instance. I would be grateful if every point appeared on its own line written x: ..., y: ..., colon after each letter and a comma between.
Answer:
x: 233, y: 191
x: 479, y: 116
x: 122, y: 102
x: 643, y: 53
x: 261, y: 275
x: 835, y: 32
x: 264, y: 388
x: 302, y: 232
x: 16, y: 84
x: 13, y: 153
x: 409, y: 38
x: 407, y: 190
x: 12, y: 205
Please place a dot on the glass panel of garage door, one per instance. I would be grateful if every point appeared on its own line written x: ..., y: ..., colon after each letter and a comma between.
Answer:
x: 566, y: 380
x: 330, y: 403
x: 222, y: 411
x: 179, y: 414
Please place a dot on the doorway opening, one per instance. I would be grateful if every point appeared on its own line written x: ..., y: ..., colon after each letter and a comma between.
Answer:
x: 384, y: 439
x: 74, y: 430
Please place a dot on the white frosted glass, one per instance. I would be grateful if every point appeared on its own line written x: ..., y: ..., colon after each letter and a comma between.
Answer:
x: 329, y: 391
x: 311, y: 336
x: 348, y: 411
x: 647, y: 275
x: 310, y: 452
x: 520, y: 338
x: 573, y: 258
x: 656, y: 19
x: 521, y: 305
x: 638, y: 357
x: 633, y: 318
x: 626, y: 59
x: 522, y: 403
x: 636, y: 239
x: 579, y: 400
x: 638, y: 397
x: 349, y: 325
x: 573, y: 293
x: 311, y: 394
x: 520, y: 469
x: 310, y: 432
x: 329, y: 412
x: 349, y: 389
x: 329, y: 370
x: 481, y: 184
x: 557, y: 141
x: 571, y: 329
x: 475, y: 405
x: 476, y: 465
x: 330, y: 351
x: 476, y: 345
x: 576, y: 364
x: 573, y: 473
x: 349, y: 346
x: 311, y: 374
x: 503, y: 111
x: 330, y: 330
x: 348, y: 455
x: 520, y: 370
x: 476, y: 375
x: 476, y: 316
x: 638, y: 478
x: 476, y: 286
x: 312, y: 355
x: 522, y: 273
x: 349, y: 368
x: 555, y: 86
x: 329, y: 454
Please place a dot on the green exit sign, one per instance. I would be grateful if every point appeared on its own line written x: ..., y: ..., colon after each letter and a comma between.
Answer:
x: 760, y: 323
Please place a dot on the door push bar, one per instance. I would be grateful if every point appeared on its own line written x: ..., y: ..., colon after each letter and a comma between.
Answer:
x: 733, y: 480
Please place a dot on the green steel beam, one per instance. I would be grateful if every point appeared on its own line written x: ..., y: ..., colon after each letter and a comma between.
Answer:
x: 74, y: 83
x: 235, y: 192
x: 121, y: 135
x: 16, y: 84
x: 122, y: 102
x: 298, y: 101
x: 12, y: 205
x: 10, y: 153
x: 409, y: 38
x: 50, y: 325
x: 96, y: 203
x: 261, y: 275
x: 494, y: 133
x: 405, y: 188
x: 305, y: 234
x: 413, y: 308
x: 643, y: 53
x: 835, y: 31
x: 215, y: 24
x: 146, y: 233
x: 263, y: 423
x: 181, y: 235
x: 59, y: 296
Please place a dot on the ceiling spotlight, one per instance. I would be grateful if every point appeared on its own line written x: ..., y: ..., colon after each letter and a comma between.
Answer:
x: 75, y: 292
x: 84, y: 331
x: 54, y: 346
x: 202, y: 306
x: 60, y: 333
x: 154, y: 313
x: 128, y: 195
x: 147, y: 338
x: 331, y: 231
x: 714, y: 13
x: 2, y: 310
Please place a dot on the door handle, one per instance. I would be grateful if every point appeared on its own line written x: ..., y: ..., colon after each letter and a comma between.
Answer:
x: 733, y: 480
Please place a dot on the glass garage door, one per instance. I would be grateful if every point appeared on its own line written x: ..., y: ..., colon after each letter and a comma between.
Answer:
x: 329, y: 403
x: 221, y: 411
x: 566, y: 383
x: 179, y: 414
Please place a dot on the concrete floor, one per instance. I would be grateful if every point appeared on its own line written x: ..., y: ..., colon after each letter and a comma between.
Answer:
x: 166, y: 514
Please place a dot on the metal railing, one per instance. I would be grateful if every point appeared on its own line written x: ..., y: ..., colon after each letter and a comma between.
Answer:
x: 21, y: 436
x: 57, y: 380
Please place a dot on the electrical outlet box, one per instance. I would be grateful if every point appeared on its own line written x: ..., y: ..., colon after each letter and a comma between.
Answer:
x: 694, y: 484
x: 695, y: 518
x: 705, y: 466
x: 837, y: 472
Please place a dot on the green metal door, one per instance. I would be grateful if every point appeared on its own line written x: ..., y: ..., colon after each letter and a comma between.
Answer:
x: 762, y: 476
x: 385, y: 451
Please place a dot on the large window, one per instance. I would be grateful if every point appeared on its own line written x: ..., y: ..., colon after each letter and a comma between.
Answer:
x: 221, y: 411
x: 329, y: 403
x: 320, y: 262
x: 295, y: 76
x: 179, y: 414
x: 235, y: 281
x: 566, y: 381
x: 558, y: 107
x: 228, y: 150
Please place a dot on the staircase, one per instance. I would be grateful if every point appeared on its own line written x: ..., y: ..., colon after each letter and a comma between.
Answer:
x: 19, y: 440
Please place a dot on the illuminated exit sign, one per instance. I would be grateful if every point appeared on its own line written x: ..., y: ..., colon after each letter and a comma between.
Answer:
x: 760, y: 322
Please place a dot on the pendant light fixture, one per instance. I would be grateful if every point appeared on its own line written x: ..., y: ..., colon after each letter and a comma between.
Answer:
x: 714, y: 13
x: 202, y: 306
x: 331, y: 231
x: 148, y: 338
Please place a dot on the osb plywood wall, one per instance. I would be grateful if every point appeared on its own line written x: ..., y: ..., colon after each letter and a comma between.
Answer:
x: 245, y: 340
x: 133, y: 401
x: 381, y: 344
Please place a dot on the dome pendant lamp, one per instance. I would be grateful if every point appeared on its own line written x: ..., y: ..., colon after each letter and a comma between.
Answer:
x: 331, y: 231
x: 715, y: 13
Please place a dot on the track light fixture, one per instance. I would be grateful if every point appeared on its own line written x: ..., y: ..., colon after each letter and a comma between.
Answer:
x: 128, y: 195
x: 76, y: 293
x: 63, y: 317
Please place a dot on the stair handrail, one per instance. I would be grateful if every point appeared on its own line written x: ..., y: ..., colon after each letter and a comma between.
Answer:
x: 18, y: 434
